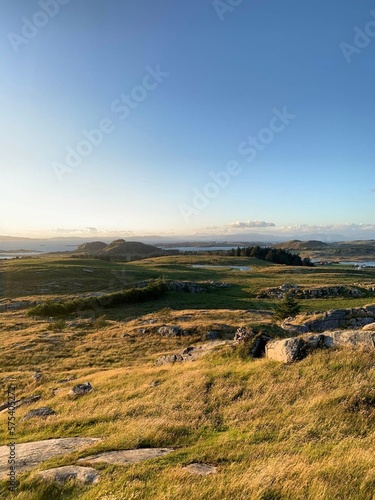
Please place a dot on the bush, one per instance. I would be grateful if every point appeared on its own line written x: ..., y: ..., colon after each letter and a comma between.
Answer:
x: 133, y: 295
x: 58, y: 326
x: 100, y: 322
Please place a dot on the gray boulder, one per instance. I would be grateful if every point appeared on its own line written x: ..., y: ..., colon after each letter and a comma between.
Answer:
x: 44, y: 411
x: 169, y: 331
x: 86, y: 475
x: 81, y: 389
x: 168, y: 359
x: 351, y: 338
x: 293, y: 349
x: 332, y: 320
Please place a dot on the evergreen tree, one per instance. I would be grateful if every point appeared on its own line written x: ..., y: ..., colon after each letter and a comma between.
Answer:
x: 287, y: 307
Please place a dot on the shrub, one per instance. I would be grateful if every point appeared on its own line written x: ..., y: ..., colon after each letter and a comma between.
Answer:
x: 152, y: 291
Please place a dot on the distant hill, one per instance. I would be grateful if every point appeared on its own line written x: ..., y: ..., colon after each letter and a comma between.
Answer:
x: 302, y: 245
x: 122, y: 249
x: 92, y: 248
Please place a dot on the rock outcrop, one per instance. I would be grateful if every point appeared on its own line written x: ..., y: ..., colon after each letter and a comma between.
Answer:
x: 172, y: 331
x: 297, y: 348
x: 189, y: 353
x: 31, y: 454
x: 292, y: 349
x: 201, y: 469
x: 122, y: 457
x: 331, y: 320
x: 44, y: 411
x: 191, y: 287
x: 312, y: 293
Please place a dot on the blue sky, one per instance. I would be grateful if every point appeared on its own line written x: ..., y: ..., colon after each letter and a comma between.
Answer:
x: 224, y: 71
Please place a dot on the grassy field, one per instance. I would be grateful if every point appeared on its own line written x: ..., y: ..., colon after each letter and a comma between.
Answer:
x: 301, y: 431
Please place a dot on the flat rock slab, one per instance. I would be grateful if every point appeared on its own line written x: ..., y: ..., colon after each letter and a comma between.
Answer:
x: 122, y: 457
x: 191, y: 353
x: 30, y: 455
x: 85, y: 475
x: 201, y: 469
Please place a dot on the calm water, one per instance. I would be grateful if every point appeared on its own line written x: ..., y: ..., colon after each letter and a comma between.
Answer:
x: 359, y: 264
x: 13, y: 255
x: 209, y: 266
x: 197, y: 249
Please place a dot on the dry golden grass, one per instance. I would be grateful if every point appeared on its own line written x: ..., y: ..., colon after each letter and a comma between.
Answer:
x: 300, y: 431
x: 274, y: 431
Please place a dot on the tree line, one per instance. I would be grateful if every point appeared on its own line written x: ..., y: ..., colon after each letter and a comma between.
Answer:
x: 271, y: 254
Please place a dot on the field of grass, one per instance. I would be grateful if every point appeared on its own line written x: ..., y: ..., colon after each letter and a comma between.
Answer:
x: 300, y: 431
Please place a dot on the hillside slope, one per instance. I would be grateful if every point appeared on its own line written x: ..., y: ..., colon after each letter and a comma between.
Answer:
x: 273, y: 431
x: 302, y: 245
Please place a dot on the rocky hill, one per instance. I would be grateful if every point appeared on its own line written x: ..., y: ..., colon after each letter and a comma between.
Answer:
x: 92, y: 248
x: 122, y: 249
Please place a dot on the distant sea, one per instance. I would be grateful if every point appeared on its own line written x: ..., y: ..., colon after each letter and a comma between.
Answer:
x: 33, y: 247
x: 197, y: 249
x: 38, y: 247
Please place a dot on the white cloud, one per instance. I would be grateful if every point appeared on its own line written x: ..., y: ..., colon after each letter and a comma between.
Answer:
x: 327, y: 227
x: 249, y: 224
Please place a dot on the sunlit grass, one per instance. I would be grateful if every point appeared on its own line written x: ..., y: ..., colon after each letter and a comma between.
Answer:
x: 274, y: 431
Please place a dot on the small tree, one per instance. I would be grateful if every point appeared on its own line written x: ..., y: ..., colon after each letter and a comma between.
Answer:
x: 287, y: 307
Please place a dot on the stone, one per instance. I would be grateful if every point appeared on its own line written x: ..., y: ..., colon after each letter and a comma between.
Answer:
x: 20, y: 402
x: 369, y: 327
x: 361, y: 322
x: 243, y: 334
x: 186, y: 287
x: 31, y: 454
x: 37, y: 376
x: 201, y: 469
x: 169, y: 331
x: 332, y: 320
x: 297, y: 348
x: 370, y: 309
x: 293, y: 349
x: 155, y: 383
x: 81, y: 389
x: 86, y: 475
x: 212, y: 335
x: 189, y: 353
x: 312, y: 293
x: 352, y: 338
x: 168, y: 359
x: 44, y: 411
x: 286, y: 350
x: 121, y: 457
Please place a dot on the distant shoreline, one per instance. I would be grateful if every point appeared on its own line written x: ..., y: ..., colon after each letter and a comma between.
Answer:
x: 21, y: 250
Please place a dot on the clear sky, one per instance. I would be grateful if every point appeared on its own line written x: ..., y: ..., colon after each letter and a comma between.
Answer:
x: 180, y: 89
